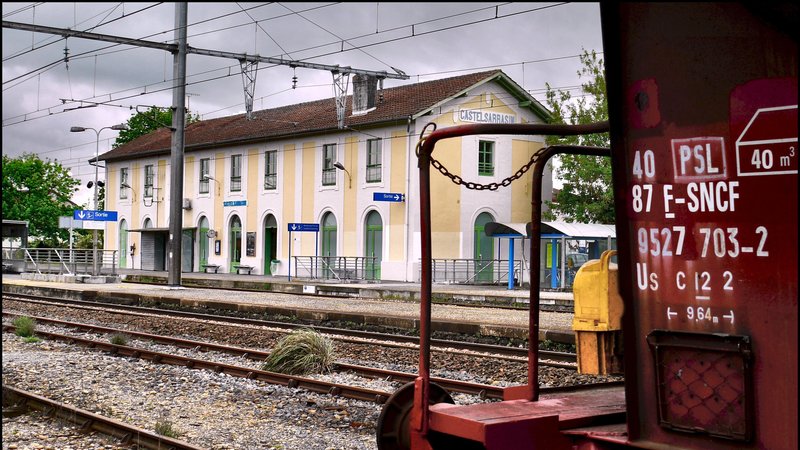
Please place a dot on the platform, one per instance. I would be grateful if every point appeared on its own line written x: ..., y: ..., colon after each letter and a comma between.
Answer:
x: 386, y: 304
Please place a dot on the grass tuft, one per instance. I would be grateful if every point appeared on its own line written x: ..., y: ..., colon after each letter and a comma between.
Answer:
x: 25, y: 326
x: 164, y: 428
x: 119, y: 339
x: 302, y: 352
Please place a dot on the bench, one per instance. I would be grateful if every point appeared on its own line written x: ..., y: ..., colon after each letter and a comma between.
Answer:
x: 210, y: 266
x: 249, y: 269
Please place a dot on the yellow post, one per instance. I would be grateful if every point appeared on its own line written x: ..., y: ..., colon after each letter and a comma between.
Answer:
x: 598, y: 317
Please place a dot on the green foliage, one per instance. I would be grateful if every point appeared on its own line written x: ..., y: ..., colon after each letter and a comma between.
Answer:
x: 587, y: 194
x: 148, y: 121
x: 300, y: 353
x: 165, y: 428
x: 24, y: 326
x: 119, y: 339
x: 31, y: 340
x: 38, y: 191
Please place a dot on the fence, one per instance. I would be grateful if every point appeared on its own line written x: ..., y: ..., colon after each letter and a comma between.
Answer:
x: 340, y: 268
x: 474, y: 271
x: 58, y: 260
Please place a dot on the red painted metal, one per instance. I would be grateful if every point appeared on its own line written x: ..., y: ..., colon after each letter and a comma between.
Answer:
x: 705, y: 176
x: 420, y: 414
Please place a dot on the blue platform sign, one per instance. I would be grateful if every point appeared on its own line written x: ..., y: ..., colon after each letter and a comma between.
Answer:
x: 88, y: 214
x: 304, y: 227
x: 388, y: 197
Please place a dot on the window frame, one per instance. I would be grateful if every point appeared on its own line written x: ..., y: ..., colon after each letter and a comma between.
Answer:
x: 149, y: 181
x: 270, y: 170
x: 374, y: 168
x: 486, y: 148
x: 205, y: 169
x: 123, y: 179
x: 236, y: 173
x: 328, y: 170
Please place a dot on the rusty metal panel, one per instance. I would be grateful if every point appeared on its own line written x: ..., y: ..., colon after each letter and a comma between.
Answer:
x: 703, y: 113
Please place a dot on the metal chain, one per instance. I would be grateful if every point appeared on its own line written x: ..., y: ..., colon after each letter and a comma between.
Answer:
x: 477, y: 186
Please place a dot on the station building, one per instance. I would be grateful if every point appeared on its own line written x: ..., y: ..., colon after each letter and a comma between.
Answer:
x: 351, y: 191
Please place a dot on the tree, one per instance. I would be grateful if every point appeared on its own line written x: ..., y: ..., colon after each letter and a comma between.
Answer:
x: 146, y: 122
x: 587, y: 195
x: 39, y: 192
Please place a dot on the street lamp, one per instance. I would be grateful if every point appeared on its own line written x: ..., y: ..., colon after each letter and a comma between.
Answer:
x: 339, y: 166
x: 209, y: 177
x: 117, y: 127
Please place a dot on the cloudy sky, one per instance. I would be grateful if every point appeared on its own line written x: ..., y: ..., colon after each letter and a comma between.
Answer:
x: 44, y: 95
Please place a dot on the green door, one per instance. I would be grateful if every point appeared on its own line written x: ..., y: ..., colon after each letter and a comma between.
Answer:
x: 373, y: 248
x: 202, y: 243
x: 484, y: 250
x: 328, y: 245
x: 270, y: 243
x: 123, y: 244
x: 235, y: 243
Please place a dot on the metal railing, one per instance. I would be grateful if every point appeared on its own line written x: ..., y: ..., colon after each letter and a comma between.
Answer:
x: 342, y: 268
x: 59, y: 260
x: 473, y: 271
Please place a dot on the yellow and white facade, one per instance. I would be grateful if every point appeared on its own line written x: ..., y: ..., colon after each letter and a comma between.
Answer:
x: 256, y: 188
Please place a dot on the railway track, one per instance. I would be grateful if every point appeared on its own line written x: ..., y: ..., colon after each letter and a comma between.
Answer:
x: 18, y: 400
x: 550, y: 358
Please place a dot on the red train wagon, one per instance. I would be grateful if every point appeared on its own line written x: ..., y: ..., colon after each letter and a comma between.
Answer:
x: 703, y: 124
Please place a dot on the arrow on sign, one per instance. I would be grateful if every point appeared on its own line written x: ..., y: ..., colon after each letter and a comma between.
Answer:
x: 294, y: 227
x: 729, y: 316
x: 81, y: 215
x: 670, y: 313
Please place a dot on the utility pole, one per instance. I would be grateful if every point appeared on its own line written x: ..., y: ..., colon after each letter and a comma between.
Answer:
x: 180, y: 49
x: 178, y: 128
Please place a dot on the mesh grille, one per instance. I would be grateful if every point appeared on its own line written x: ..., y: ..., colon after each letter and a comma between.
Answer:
x: 702, y: 384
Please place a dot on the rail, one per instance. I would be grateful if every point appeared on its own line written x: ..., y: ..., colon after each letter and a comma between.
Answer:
x: 58, y: 260
x: 341, y: 268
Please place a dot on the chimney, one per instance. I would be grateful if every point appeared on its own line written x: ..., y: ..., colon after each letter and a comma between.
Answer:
x: 364, y: 92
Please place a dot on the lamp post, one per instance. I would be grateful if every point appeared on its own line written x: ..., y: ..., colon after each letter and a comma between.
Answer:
x: 340, y: 166
x: 117, y: 127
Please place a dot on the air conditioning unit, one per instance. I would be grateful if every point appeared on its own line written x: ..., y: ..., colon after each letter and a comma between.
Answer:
x: 187, y: 203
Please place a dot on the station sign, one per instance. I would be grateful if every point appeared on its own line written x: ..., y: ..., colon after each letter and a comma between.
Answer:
x: 388, y: 197
x: 101, y: 216
x: 301, y: 227
x: 235, y: 203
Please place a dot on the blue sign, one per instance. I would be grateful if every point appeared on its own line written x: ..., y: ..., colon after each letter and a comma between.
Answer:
x: 388, y: 197
x: 235, y: 203
x: 103, y: 216
x: 304, y: 227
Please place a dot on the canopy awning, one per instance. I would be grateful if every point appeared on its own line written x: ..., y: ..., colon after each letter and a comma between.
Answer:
x: 579, y: 230
x: 568, y: 229
x: 497, y: 229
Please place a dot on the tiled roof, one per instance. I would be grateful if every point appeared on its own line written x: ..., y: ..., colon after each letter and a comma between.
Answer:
x: 304, y: 118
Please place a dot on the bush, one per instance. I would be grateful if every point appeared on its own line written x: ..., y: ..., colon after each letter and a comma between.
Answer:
x: 25, y: 326
x: 300, y: 353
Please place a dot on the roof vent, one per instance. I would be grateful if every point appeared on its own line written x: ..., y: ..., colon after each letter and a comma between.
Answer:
x: 364, y: 92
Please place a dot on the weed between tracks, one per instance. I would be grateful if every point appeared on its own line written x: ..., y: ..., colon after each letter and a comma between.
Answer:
x: 300, y: 353
x: 25, y: 326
